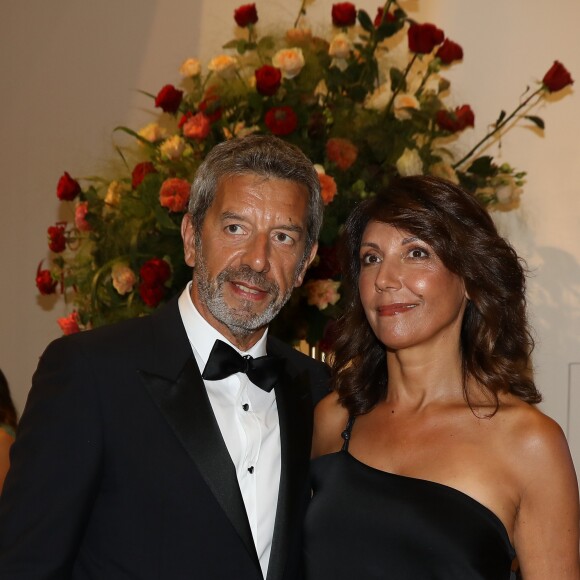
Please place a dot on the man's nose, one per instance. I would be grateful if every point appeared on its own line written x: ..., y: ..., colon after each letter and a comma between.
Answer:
x: 257, y: 253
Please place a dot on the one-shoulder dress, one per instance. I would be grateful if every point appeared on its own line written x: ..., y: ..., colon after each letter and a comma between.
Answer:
x: 366, y: 524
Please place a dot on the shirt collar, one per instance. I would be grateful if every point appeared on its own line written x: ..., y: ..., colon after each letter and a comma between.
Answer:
x: 202, y: 334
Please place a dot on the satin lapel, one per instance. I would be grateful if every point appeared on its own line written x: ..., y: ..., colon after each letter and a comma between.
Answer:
x: 185, y: 405
x: 295, y: 414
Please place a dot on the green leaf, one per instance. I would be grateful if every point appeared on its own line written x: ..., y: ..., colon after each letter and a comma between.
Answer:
x: 231, y: 44
x: 136, y: 135
x: 365, y: 21
x: 500, y: 118
x: 538, y: 121
x: 483, y: 166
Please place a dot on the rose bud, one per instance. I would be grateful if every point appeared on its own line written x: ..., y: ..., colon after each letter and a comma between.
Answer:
x: 67, y: 188
x: 246, y: 15
x: 557, y: 77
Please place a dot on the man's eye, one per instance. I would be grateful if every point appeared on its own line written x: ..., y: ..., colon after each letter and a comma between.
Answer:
x: 234, y: 229
x: 283, y: 238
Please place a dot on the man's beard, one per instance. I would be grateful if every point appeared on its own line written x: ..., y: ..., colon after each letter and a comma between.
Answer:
x: 241, y: 321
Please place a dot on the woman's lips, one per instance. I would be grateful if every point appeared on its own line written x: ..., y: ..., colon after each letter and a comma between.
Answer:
x: 394, y: 309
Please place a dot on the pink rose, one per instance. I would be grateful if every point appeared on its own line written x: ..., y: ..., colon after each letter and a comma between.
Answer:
x: 81, y: 211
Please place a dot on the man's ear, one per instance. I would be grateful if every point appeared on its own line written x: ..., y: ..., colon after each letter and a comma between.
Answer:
x: 188, y: 236
x: 302, y: 273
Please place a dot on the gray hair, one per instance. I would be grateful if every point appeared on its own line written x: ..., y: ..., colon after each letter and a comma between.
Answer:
x: 263, y: 155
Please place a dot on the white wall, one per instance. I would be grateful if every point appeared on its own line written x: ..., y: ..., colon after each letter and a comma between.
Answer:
x: 70, y: 71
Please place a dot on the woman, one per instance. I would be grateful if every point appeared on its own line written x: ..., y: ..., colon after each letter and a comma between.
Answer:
x: 7, y: 427
x: 445, y: 469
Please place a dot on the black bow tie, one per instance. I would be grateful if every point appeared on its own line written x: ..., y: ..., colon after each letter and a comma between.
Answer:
x: 224, y: 361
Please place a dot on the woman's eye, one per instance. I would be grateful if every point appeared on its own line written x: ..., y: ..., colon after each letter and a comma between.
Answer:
x: 368, y: 259
x: 418, y: 253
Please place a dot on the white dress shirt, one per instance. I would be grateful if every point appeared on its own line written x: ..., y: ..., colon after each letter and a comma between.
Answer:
x: 248, y: 419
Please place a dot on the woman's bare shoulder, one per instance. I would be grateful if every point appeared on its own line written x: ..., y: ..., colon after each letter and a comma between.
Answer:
x: 330, y: 418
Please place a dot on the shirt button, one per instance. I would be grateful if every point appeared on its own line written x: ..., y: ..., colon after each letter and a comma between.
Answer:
x: 251, y: 469
x: 245, y: 406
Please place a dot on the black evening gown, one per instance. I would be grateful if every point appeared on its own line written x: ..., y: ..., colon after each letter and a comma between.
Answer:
x: 366, y: 524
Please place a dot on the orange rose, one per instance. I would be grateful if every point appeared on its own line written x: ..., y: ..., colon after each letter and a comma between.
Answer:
x: 341, y: 152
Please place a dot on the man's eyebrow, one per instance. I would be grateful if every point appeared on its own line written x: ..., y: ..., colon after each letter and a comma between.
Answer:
x: 230, y: 215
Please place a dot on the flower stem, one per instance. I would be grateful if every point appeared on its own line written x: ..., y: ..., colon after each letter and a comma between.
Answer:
x: 301, y: 12
x: 400, y: 85
x: 499, y: 126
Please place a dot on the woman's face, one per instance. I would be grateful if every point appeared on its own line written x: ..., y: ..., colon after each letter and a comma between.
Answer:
x: 410, y: 298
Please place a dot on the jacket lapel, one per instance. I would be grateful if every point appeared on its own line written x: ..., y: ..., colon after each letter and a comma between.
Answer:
x: 294, y: 404
x: 182, y: 399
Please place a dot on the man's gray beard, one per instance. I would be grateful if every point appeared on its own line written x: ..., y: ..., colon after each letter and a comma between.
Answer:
x: 241, y: 322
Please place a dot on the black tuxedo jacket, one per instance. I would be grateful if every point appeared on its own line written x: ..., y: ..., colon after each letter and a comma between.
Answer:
x: 119, y: 470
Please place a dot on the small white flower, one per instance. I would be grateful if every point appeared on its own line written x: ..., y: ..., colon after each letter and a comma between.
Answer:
x: 380, y: 98
x: 290, y: 61
x: 410, y: 163
x: 123, y: 278
x: 224, y: 65
x: 153, y: 132
x: 341, y: 46
x: 190, y: 67
x: 173, y: 147
x: 114, y: 192
x: 401, y: 105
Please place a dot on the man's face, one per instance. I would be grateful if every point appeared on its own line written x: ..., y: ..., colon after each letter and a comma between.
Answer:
x: 249, y: 255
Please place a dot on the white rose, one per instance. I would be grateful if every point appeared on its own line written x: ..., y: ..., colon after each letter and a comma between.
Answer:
x: 173, y: 147
x: 380, y: 98
x: 114, y: 192
x: 402, y: 103
x: 223, y: 65
x: 190, y: 67
x: 409, y: 163
x: 340, y: 46
x: 507, y: 193
x: 290, y: 61
x: 123, y: 278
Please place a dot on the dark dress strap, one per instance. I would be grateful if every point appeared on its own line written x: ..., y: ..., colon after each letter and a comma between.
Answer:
x: 346, y: 433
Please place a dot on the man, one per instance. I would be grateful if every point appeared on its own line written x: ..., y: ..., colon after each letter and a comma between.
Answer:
x: 129, y: 464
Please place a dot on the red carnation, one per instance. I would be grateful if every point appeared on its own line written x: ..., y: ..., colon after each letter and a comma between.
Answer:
x: 423, y: 38
x: 155, y: 272
x: 557, y: 77
x: 268, y: 79
x: 281, y: 120
x: 197, y: 127
x: 169, y: 99
x: 67, y: 188
x: 449, y: 51
x: 45, y: 283
x: 457, y: 120
x: 140, y: 171
x: 56, y: 239
x: 390, y: 17
x: 174, y: 194
x: 343, y: 14
x: 246, y: 15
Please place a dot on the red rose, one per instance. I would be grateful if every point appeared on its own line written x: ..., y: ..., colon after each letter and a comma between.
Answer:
x: 281, y: 120
x: 151, y: 295
x: 210, y: 107
x: 423, y: 38
x: 174, y: 194
x: 67, y: 188
x: 155, y: 272
x: 69, y: 324
x: 56, y: 239
x: 268, y: 79
x: 343, y: 14
x: 246, y: 15
x: 449, y: 51
x: 457, y: 120
x: 197, y: 127
x: 557, y: 77
x: 169, y: 99
x: 45, y: 283
x: 140, y: 171
x: 390, y: 17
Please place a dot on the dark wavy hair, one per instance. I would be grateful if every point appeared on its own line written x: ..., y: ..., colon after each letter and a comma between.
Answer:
x: 496, y: 343
x: 8, y: 414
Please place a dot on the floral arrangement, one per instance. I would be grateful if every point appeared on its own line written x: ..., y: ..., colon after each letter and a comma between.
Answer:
x: 366, y: 104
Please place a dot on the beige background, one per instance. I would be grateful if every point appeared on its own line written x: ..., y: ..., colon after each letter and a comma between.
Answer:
x: 71, y: 70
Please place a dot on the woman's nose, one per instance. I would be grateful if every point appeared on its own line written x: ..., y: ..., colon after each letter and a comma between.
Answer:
x: 389, y: 276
